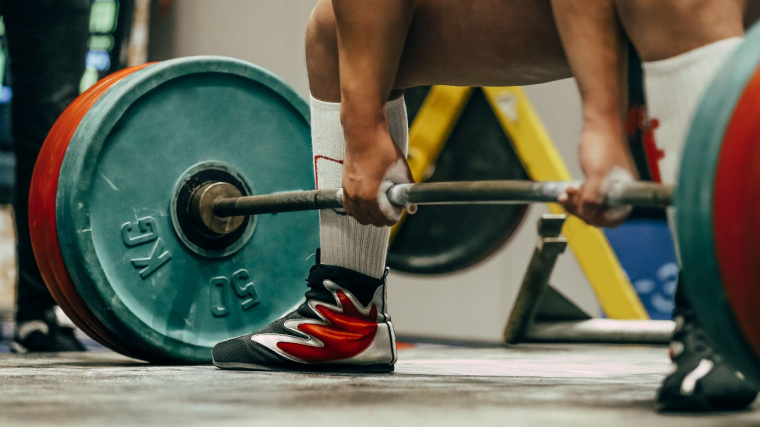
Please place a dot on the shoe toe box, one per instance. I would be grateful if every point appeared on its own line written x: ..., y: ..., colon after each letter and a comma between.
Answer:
x: 242, y: 352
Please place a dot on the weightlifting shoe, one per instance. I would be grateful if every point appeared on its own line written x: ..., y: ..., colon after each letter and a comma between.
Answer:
x: 702, y: 380
x: 53, y: 333
x: 341, y: 327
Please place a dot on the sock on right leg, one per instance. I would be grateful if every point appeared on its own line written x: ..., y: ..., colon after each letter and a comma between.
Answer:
x: 343, y: 241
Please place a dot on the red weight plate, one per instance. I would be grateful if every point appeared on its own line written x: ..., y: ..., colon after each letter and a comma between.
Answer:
x: 736, y: 212
x: 42, y: 212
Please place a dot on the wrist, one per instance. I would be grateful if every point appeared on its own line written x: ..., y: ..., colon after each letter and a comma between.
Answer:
x: 358, y: 110
x: 367, y: 139
x: 609, y: 125
x: 362, y: 120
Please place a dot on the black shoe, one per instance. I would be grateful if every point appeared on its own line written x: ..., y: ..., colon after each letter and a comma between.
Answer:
x: 702, y: 380
x: 342, y: 327
x: 53, y: 333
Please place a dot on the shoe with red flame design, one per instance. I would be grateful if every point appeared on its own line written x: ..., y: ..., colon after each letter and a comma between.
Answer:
x: 342, y: 326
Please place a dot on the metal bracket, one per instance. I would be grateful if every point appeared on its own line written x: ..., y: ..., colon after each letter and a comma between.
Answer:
x: 550, y: 245
x: 541, y: 314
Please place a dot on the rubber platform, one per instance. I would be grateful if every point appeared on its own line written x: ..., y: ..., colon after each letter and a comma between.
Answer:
x: 526, y: 385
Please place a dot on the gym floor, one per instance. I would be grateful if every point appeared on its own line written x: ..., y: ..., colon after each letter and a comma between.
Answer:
x: 525, y: 385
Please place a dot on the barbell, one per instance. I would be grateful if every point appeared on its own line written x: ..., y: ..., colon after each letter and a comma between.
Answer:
x: 148, y: 200
x: 218, y: 208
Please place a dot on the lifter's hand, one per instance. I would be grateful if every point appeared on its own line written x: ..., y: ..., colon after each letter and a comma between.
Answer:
x: 369, y: 168
x: 604, y: 158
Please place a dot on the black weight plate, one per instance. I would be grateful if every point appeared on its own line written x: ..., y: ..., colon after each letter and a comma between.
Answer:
x: 445, y: 239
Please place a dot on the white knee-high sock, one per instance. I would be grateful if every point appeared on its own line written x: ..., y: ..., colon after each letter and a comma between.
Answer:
x: 674, y: 87
x: 344, y: 242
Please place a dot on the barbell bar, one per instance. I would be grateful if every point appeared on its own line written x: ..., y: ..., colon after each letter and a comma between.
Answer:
x: 211, y: 205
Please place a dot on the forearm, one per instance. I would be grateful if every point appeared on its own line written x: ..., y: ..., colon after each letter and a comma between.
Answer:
x: 371, y: 36
x: 594, y: 45
x: 593, y: 42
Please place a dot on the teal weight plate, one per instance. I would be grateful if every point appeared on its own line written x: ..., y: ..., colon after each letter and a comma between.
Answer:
x: 120, y: 172
x: 694, y: 200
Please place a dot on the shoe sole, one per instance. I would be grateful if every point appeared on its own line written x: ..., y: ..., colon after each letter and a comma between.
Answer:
x: 326, y: 368
x: 18, y: 348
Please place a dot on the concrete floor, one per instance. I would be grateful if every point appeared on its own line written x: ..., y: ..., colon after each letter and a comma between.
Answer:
x: 526, y: 385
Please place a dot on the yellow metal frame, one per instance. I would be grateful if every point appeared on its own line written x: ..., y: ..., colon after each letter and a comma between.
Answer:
x: 543, y: 163
x: 433, y: 125
x: 430, y: 130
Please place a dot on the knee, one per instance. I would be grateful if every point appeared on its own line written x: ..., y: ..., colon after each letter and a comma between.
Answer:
x: 321, y: 31
x: 322, y: 52
x: 661, y: 30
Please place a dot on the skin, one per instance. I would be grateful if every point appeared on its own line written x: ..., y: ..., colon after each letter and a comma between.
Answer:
x: 596, y: 47
x: 363, y: 53
x: 481, y: 43
x: 657, y: 32
x: 663, y: 32
x: 370, y: 42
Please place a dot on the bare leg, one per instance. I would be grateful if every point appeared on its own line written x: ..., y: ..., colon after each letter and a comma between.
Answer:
x: 661, y: 30
x: 475, y: 43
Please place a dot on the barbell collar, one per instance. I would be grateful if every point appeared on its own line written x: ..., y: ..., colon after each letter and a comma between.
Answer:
x: 202, y: 210
x: 642, y: 194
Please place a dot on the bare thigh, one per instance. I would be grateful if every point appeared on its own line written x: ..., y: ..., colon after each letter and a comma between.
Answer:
x: 455, y: 42
x: 663, y: 29
x: 482, y: 43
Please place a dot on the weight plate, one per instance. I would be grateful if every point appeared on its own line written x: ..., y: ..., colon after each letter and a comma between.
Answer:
x: 696, y: 200
x: 42, y: 212
x: 115, y: 197
x: 445, y: 239
x: 736, y: 211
